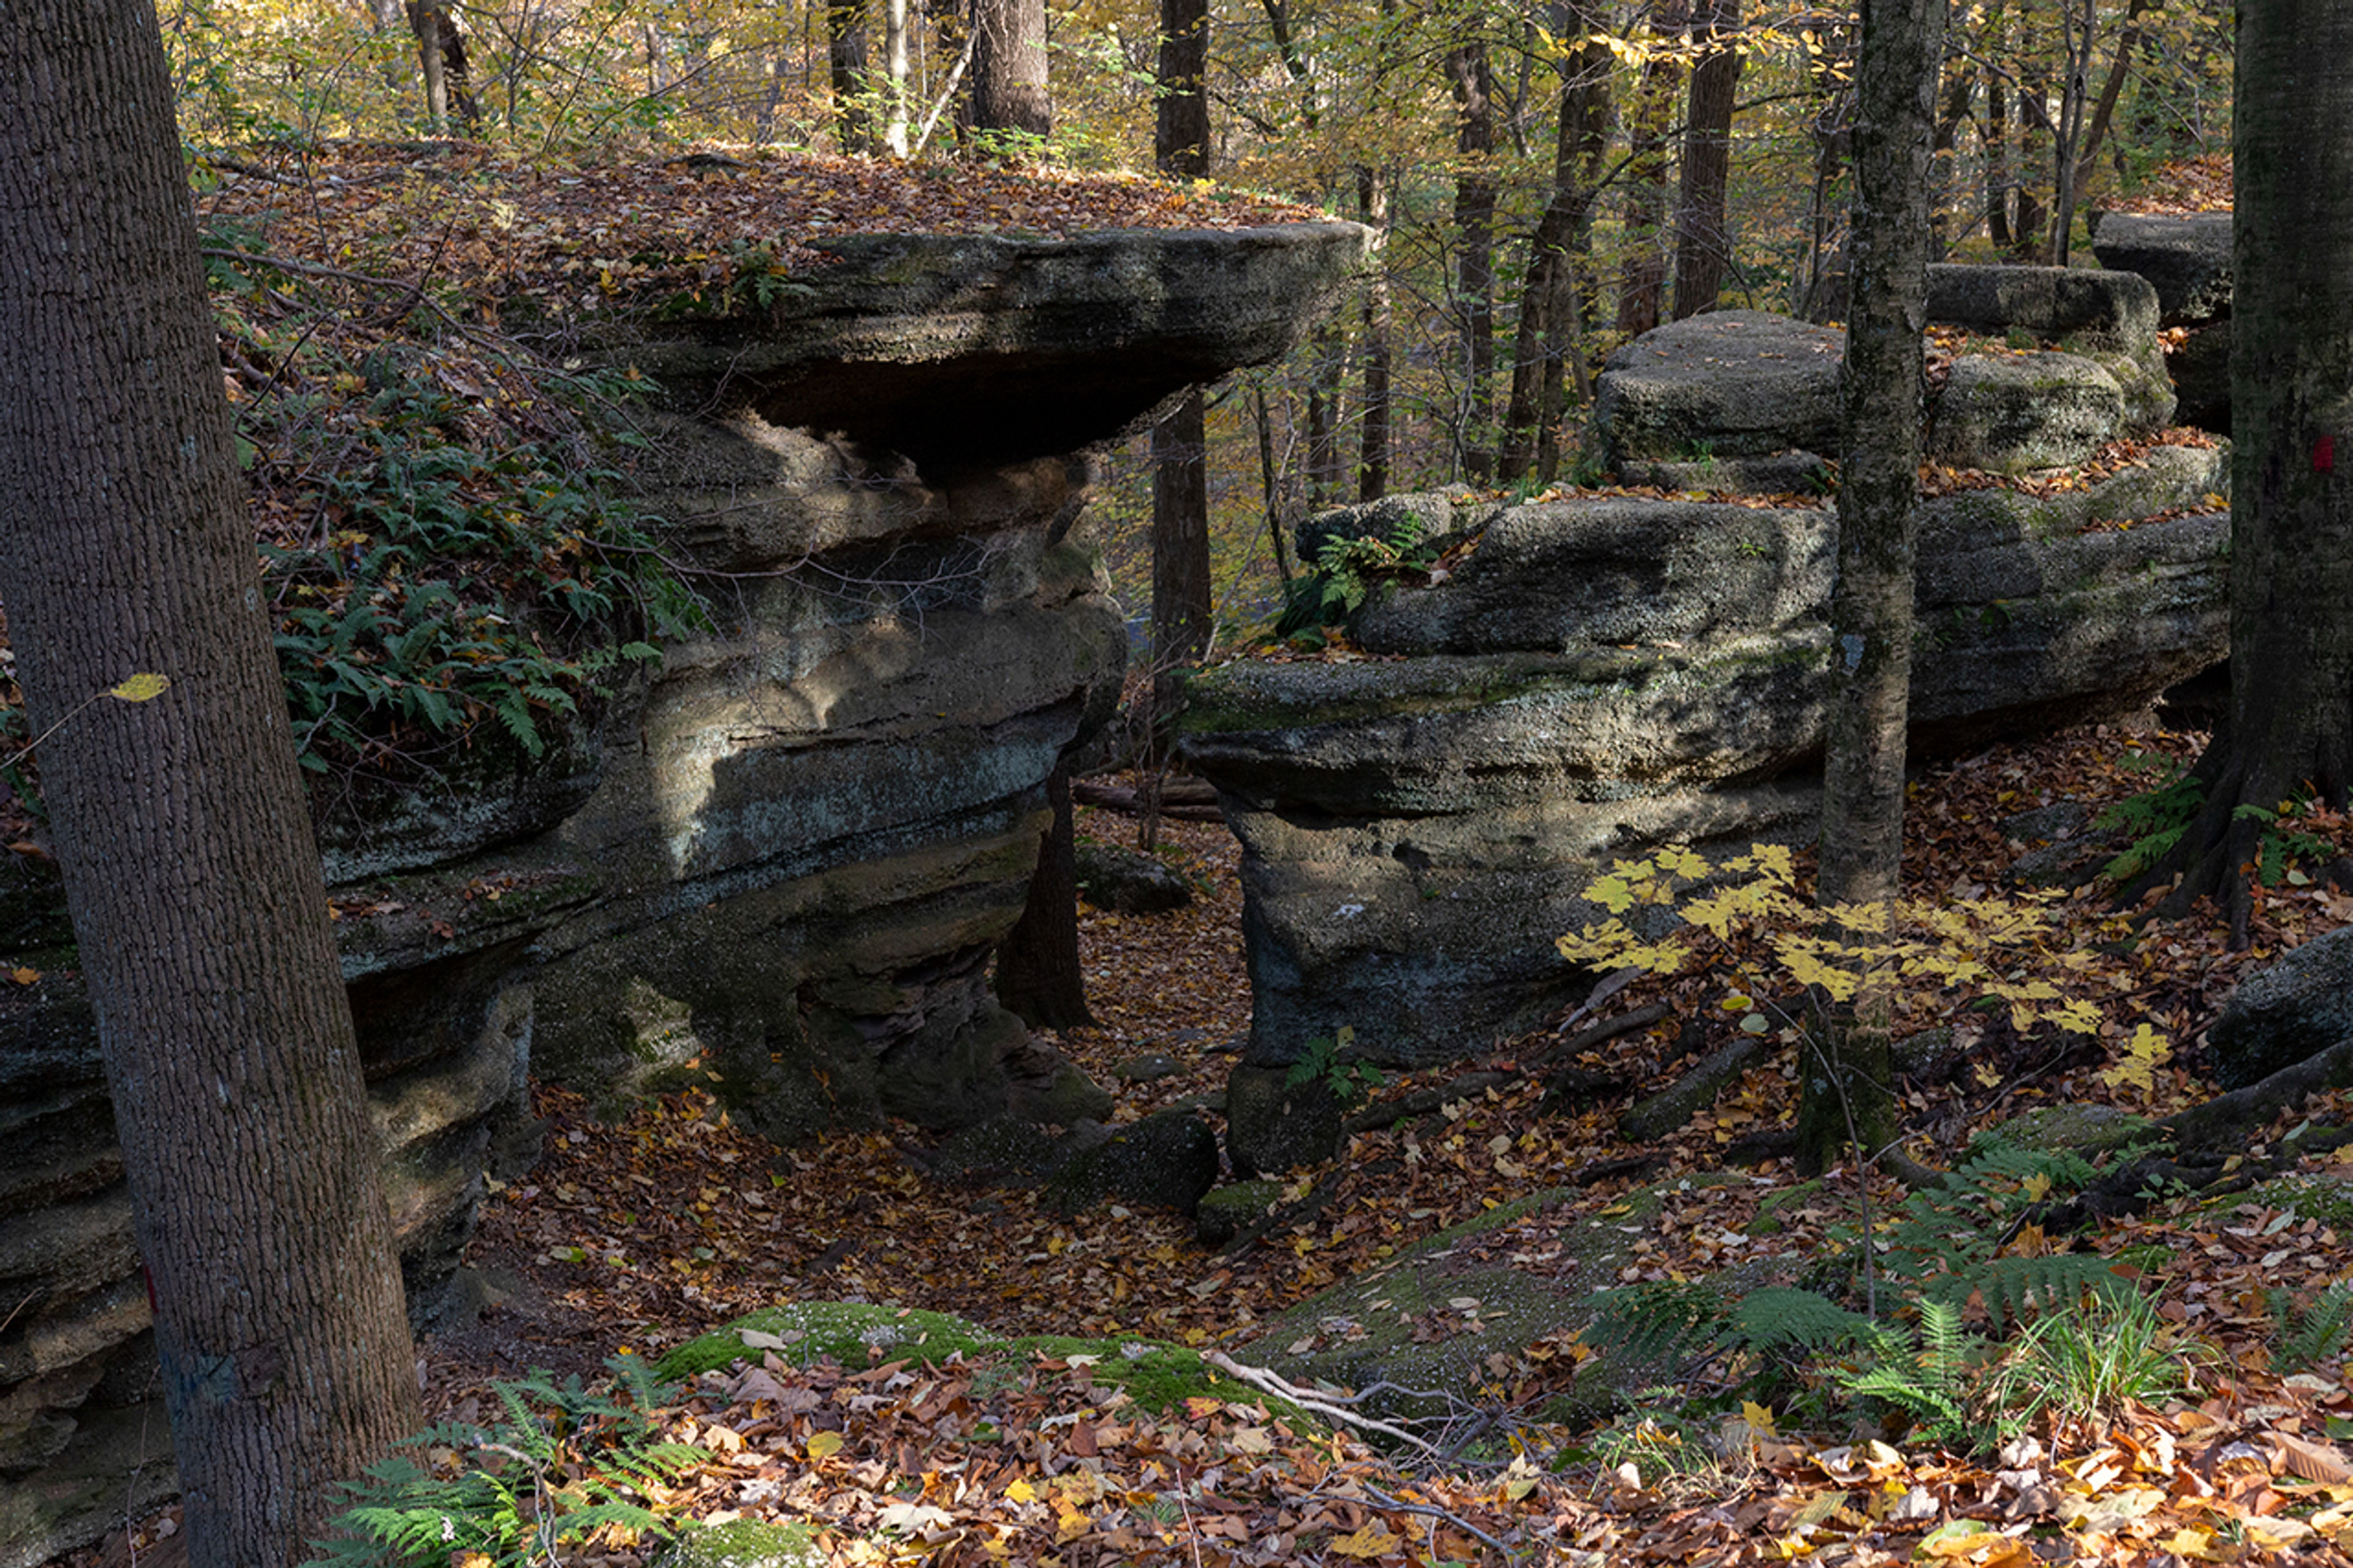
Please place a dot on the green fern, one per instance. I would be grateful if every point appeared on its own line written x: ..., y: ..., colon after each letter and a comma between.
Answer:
x: 2155, y: 818
x: 2306, y: 1334
x: 1929, y: 1384
x: 2011, y: 1287
x: 1781, y: 1319
x: 1657, y: 1321
x: 564, y: 1463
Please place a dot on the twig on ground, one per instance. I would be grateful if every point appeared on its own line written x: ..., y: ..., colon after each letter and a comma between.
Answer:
x: 1322, y: 1404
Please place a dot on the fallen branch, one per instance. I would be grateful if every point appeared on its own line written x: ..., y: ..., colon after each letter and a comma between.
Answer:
x: 1424, y: 1101
x: 1675, y: 1105
x: 1432, y: 1510
x: 1259, y: 1377
x: 1187, y: 800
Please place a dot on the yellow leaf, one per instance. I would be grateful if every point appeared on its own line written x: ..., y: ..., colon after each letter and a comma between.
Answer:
x: 1373, y: 1541
x: 824, y: 1444
x: 2036, y: 1185
x: 1021, y: 1491
x: 27, y: 976
x: 1759, y: 1416
x: 139, y: 688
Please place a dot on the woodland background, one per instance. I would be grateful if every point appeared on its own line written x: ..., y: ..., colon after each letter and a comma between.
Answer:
x: 1548, y: 180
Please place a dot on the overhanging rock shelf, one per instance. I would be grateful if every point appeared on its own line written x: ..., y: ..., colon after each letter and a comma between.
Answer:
x: 779, y: 865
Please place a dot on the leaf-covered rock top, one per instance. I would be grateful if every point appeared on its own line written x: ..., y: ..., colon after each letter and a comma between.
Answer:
x: 608, y: 230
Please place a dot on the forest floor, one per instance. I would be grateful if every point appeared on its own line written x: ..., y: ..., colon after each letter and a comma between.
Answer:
x: 633, y: 1238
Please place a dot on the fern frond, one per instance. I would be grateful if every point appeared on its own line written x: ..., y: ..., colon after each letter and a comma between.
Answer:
x: 2011, y: 1287
x: 1656, y: 1321
x: 1783, y: 1317
x: 2307, y: 1335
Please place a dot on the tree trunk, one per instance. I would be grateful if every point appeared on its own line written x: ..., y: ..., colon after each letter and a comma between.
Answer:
x: 1373, y: 344
x: 1327, y: 365
x: 178, y: 823
x: 1180, y: 141
x: 1562, y: 239
x: 1703, y: 241
x: 2290, y: 730
x: 441, y: 49
x: 1845, y: 1087
x: 1038, y: 977
x: 853, y: 116
x: 1642, y: 279
x: 1008, y: 67
x: 1474, y: 226
x: 896, y: 111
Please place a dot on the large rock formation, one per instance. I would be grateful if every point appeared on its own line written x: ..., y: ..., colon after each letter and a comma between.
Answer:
x: 2188, y: 259
x: 779, y: 865
x: 1591, y: 677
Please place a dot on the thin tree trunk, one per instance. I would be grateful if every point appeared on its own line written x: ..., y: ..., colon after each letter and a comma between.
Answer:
x: 1327, y: 365
x: 1473, y: 87
x: 896, y: 83
x: 1702, y: 239
x: 1373, y: 347
x: 1562, y: 236
x: 1642, y: 278
x: 853, y: 116
x: 178, y: 822
x: 1180, y: 141
x: 1269, y: 478
x: 1845, y: 1086
x: 2104, y: 113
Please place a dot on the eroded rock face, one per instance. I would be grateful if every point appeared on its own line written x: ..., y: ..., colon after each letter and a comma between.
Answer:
x: 2187, y: 258
x: 1595, y: 677
x: 780, y: 865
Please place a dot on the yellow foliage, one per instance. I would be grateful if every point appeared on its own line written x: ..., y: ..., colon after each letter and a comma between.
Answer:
x: 1992, y: 948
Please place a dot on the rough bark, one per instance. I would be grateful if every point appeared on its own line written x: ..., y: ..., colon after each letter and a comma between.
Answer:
x: 1845, y: 1083
x: 1473, y: 85
x: 853, y: 116
x: 1558, y: 248
x: 1180, y: 141
x: 442, y: 50
x: 2290, y: 730
x: 1010, y: 89
x: 1038, y: 977
x: 1642, y: 281
x: 178, y: 823
x: 1702, y: 240
x: 1373, y: 348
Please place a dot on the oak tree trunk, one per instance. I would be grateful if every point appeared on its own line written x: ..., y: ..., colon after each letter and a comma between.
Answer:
x: 1010, y: 89
x: 1845, y: 1085
x: 1473, y: 86
x: 846, y: 49
x: 178, y: 823
x: 1702, y: 240
x: 2290, y: 730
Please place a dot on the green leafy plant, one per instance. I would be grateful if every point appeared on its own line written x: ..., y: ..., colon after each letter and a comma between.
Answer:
x: 564, y: 1464
x: 2305, y: 1333
x: 2283, y: 846
x: 451, y: 584
x: 1325, y: 1060
x: 1929, y: 1381
x: 1351, y: 573
x: 2155, y: 818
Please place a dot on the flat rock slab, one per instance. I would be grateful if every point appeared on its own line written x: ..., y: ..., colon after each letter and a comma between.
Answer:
x: 1737, y: 383
x: 952, y: 348
x: 2187, y: 258
x: 2013, y: 414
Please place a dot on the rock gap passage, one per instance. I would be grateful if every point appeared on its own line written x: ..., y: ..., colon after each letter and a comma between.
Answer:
x: 688, y: 1016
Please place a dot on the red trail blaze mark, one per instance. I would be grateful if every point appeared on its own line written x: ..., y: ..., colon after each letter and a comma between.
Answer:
x: 2323, y: 455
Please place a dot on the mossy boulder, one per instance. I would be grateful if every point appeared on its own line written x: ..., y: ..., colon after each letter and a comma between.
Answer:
x: 2086, y: 1129
x: 1155, y: 1374
x: 742, y: 1543
x: 1224, y: 1211
x: 1424, y: 1323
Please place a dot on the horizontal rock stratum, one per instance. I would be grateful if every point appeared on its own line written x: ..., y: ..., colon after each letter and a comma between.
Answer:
x: 1593, y: 677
